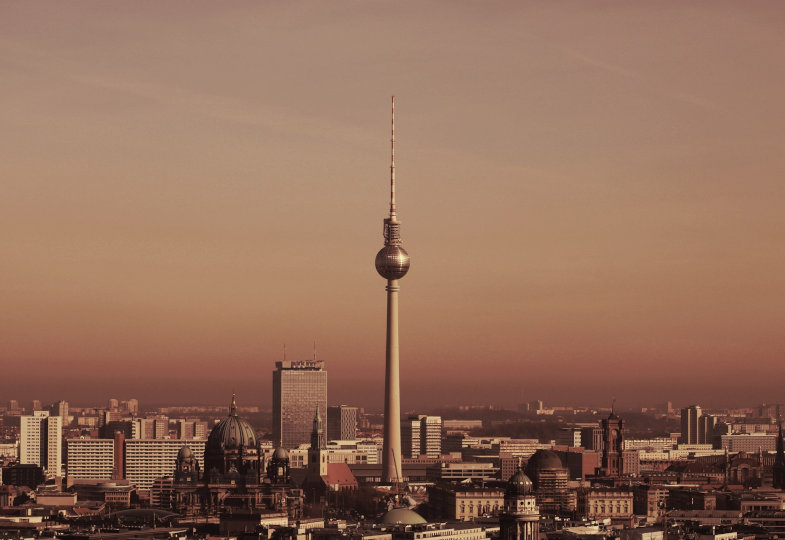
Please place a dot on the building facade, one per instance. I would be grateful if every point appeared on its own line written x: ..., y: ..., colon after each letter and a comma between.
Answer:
x: 148, y: 459
x: 89, y: 458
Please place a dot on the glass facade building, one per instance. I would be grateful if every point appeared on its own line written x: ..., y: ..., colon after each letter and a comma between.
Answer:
x: 299, y: 389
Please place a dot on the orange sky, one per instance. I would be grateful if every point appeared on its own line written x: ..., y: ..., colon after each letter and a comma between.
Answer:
x: 591, y: 193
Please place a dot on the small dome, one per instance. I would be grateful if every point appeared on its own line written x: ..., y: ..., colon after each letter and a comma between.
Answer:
x: 184, y: 453
x: 280, y: 453
x: 392, y: 262
x: 402, y: 516
x: 519, y: 484
x: 543, y: 459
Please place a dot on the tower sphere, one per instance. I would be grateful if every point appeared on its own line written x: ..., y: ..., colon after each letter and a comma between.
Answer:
x: 392, y: 262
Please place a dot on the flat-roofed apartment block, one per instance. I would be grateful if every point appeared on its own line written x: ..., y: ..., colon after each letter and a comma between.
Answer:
x: 89, y: 458
x: 41, y: 441
x: 148, y: 459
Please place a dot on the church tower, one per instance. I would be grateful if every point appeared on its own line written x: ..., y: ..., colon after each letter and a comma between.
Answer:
x: 317, y: 457
x: 613, y: 439
x: 520, y: 517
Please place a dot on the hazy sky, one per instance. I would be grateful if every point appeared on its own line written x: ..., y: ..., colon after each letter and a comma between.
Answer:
x: 591, y: 193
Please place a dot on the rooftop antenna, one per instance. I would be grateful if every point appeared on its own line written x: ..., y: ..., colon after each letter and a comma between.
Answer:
x: 393, y: 215
x: 613, y: 406
x: 314, y: 350
x: 284, y: 352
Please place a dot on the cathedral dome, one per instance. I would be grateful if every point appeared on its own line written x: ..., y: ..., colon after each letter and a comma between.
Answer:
x: 184, y: 453
x: 231, y: 433
x: 519, y: 484
x: 280, y: 453
x: 543, y: 459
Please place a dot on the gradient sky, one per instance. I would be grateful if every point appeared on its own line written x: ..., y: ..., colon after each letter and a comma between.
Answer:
x: 591, y: 193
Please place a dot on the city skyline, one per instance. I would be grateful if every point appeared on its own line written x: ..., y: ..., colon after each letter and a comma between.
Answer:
x: 592, y: 195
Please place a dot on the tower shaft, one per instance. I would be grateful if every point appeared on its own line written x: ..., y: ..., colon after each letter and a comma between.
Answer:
x: 391, y: 452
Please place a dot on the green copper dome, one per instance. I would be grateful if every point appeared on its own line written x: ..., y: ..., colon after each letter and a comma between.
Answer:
x: 402, y: 516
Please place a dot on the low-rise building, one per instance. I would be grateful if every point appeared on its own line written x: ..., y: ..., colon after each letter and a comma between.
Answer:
x: 606, y: 503
x: 462, y: 502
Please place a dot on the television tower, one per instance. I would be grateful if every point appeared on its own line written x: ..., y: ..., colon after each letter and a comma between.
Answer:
x: 392, y: 263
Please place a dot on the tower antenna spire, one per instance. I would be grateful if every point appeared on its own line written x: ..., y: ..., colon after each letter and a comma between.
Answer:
x: 392, y: 165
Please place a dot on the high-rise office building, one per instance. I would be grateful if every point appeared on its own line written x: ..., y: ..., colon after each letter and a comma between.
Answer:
x: 341, y: 423
x: 299, y: 390
x: 690, y: 417
x: 392, y: 263
x: 41, y: 441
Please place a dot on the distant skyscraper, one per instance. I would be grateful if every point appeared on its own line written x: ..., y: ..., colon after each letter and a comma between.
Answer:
x: 341, y: 423
x: 299, y: 390
x: 133, y: 406
x: 706, y: 425
x: 36, y: 405
x: 421, y: 435
x: 690, y: 417
x: 392, y: 263
x: 410, y: 437
x: 41, y: 441
x: 430, y: 435
x: 60, y: 409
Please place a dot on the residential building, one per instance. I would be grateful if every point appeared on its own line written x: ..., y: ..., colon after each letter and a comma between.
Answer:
x: 41, y: 441
x: 148, y: 459
x: 89, y: 458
